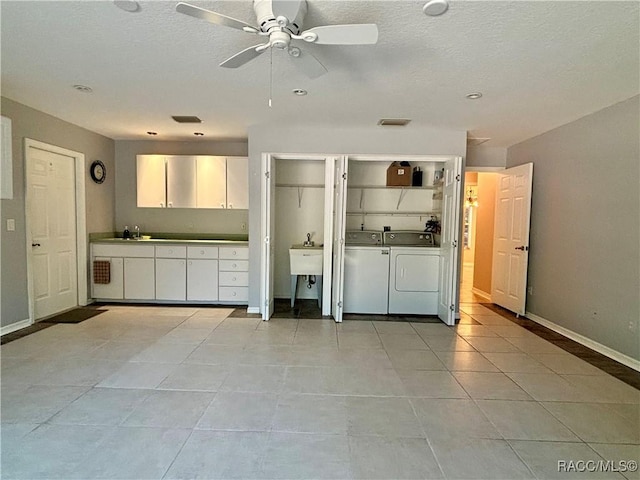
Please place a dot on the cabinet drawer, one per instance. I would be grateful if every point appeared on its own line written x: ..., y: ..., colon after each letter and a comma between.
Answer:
x: 171, y: 251
x: 235, y: 279
x: 133, y: 251
x: 232, y: 253
x: 202, y: 252
x: 234, y: 266
x: 234, y: 294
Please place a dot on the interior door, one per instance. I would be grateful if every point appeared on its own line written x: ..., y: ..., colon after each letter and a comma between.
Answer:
x: 268, y: 219
x: 511, y: 238
x: 450, y: 241
x: 339, y: 219
x: 52, y: 226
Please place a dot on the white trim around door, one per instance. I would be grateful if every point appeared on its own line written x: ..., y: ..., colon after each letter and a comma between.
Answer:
x: 81, y: 229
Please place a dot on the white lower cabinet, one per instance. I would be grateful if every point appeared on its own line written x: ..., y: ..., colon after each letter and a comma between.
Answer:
x: 114, y: 290
x: 171, y: 274
x: 139, y: 279
x: 202, y: 280
x: 174, y: 272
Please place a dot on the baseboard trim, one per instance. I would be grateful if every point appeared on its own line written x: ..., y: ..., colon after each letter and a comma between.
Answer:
x: 14, y: 326
x: 253, y: 310
x: 482, y: 294
x: 587, y: 342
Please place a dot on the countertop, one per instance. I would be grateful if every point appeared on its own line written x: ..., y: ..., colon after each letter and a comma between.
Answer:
x: 152, y: 241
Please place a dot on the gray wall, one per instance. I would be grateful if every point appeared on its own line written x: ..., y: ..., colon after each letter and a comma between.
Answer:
x: 584, y: 262
x: 166, y: 219
x: 410, y: 140
x: 482, y: 156
x: 100, y: 207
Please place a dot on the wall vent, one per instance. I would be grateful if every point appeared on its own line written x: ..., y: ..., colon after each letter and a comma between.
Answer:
x: 393, y: 122
x: 186, y: 119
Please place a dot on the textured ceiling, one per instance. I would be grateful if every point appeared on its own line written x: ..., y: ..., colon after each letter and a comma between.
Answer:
x: 538, y: 64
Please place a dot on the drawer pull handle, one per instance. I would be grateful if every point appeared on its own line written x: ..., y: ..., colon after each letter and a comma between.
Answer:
x: 234, y: 279
x: 234, y: 252
x: 201, y: 252
x: 234, y: 294
x: 235, y: 266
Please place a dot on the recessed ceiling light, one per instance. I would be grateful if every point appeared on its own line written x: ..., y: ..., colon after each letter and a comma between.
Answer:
x: 198, y: 134
x: 435, y: 7
x: 130, y: 6
x: 474, y: 95
x: 300, y: 92
x: 83, y: 88
x: 152, y: 133
x: 393, y: 122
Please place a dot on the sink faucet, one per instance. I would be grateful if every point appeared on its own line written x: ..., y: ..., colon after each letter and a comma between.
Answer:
x: 137, y: 234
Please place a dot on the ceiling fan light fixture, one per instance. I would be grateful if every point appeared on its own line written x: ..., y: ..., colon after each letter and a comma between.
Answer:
x: 393, y: 122
x: 435, y: 8
x: 299, y: 92
x: 473, y: 96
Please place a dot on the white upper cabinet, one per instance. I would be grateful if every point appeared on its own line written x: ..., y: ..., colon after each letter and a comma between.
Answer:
x: 211, y: 181
x: 237, y: 182
x: 198, y: 181
x: 181, y: 181
x: 151, y: 179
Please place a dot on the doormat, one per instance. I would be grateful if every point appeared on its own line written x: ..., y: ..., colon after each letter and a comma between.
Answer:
x: 76, y: 315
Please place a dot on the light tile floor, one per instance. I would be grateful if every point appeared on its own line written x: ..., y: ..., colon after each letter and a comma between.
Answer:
x: 154, y: 392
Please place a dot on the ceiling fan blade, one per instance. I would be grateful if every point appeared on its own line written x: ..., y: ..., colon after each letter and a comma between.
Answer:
x: 243, y: 57
x: 308, y: 64
x: 362, y: 34
x: 214, y: 17
x: 286, y: 8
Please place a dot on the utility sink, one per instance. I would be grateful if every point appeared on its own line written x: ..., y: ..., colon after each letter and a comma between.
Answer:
x: 306, y: 260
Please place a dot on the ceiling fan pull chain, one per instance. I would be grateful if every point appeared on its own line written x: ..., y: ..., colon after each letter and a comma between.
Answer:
x: 270, y: 75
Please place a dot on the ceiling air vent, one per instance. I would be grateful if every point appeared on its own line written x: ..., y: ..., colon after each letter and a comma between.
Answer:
x: 393, y: 122
x: 474, y: 142
x: 186, y: 119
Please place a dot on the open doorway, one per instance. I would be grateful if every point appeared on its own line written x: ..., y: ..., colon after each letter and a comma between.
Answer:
x: 478, y: 211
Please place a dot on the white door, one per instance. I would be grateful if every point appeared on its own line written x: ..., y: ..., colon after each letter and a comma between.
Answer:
x: 211, y: 178
x: 511, y: 238
x: 449, y: 241
x: 339, y: 219
x: 268, y: 244
x: 52, y: 223
x: 238, y: 182
x: 181, y: 181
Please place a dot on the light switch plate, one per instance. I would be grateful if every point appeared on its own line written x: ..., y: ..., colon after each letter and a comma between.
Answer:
x: 11, y: 224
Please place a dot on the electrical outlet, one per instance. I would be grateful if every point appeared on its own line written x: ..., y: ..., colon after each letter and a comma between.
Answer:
x: 632, y: 326
x: 530, y: 290
x: 11, y: 225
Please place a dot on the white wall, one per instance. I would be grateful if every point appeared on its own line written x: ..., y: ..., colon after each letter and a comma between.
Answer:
x: 167, y: 220
x: 268, y: 138
x: 482, y: 156
x: 584, y: 259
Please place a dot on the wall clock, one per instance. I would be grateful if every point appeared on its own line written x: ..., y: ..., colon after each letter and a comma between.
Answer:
x: 98, y: 171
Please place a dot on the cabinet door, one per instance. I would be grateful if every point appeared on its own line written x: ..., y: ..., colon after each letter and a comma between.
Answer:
x: 171, y: 279
x: 237, y: 182
x: 417, y: 273
x: 211, y: 190
x: 151, y: 178
x: 114, y: 289
x: 139, y: 279
x: 202, y: 280
x: 181, y: 181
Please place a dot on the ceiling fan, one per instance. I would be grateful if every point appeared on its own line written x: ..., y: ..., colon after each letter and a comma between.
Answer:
x: 281, y: 21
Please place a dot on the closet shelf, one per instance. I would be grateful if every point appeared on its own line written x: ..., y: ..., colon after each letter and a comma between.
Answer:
x: 300, y: 185
x: 407, y: 187
x: 396, y: 213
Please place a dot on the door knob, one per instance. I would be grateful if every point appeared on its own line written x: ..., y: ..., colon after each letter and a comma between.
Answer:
x: 523, y: 248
